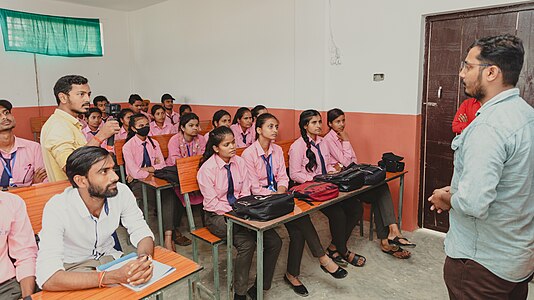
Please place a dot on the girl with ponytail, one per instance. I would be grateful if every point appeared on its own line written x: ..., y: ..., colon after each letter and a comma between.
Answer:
x: 223, y: 178
x: 387, y: 230
x: 308, y: 157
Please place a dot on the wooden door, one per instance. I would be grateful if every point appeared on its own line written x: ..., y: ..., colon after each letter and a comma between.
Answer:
x: 447, y: 41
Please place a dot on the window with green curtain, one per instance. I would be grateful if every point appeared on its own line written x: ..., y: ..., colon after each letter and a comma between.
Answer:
x: 50, y: 35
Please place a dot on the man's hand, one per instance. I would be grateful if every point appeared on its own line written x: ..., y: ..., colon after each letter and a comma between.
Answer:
x: 135, y: 272
x: 343, y: 136
x: 39, y: 175
x: 441, y: 199
x: 109, y: 128
x: 462, y: 118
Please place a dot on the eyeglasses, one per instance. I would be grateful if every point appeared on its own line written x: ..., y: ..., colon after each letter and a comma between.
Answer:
x: 466, y: 65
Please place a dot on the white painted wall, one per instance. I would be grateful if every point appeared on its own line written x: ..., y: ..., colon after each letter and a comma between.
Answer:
x: 109, y: 75
x: 244, y: 52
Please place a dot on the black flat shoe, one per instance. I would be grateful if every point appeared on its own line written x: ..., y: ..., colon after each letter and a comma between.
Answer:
x: 240, y: 297
x: 337, y: 274
x: 298, y: 289
x: 337, y: 259
x: 253, y: 292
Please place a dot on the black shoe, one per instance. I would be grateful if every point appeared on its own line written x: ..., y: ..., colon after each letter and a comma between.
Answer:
x: 338, y: 274
x: 240, y: 297
x: 298, y: 289
x: 337, y: 259
x: 253, y: 292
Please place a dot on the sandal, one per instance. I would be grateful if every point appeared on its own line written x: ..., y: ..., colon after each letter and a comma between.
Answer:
x: 355, y: 260
x: 337, y: 259
x: 181, y: 239
x: 397, y: 242
x: 398, y: 252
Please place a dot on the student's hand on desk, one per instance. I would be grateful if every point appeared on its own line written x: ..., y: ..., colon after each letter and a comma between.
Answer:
x: 441, y: 199
x: 110, y: 128
x: 150, y: 170
x: 39, y: 175
x: 141, y: 271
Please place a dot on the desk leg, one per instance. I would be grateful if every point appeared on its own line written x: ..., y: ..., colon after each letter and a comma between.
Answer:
x: 401, y: 199
x: 145, y: 201
x: 190, y: 286
x: 160, y: 219
x: 259, y: 263
x: 229, y: 253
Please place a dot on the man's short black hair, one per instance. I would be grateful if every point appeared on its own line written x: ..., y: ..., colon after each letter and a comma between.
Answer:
x: 6, y: 104
x: 100, y: 98
x: 133, y: 98
x: 82, y: 159
x: 504, y: 51
x: 64, y: 84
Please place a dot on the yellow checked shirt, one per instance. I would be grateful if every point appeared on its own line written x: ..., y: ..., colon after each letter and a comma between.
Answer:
x: 60, y: 136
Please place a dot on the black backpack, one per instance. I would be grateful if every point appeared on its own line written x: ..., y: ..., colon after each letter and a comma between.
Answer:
x: 373, y: 174
x: 168, y: 173
x: 264, y: 208
x: 347, y: 180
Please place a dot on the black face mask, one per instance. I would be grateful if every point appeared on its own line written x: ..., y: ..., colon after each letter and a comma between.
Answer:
x: 143, y: 131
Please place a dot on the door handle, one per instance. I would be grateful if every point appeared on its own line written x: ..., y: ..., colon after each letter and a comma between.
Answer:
x: 440, y: 89
x: 433, y: 104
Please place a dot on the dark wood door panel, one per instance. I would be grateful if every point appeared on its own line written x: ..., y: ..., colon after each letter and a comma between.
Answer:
x: 444, y: 46
x: 525, y: 31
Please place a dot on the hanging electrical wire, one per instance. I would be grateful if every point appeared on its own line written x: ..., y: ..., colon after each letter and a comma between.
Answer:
x: 335, y: 53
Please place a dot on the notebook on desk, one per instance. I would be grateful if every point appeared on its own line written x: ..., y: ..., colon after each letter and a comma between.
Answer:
x: 160, y: 270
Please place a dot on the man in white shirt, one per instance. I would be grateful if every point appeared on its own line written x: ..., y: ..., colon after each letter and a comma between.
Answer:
x: 78, y: 225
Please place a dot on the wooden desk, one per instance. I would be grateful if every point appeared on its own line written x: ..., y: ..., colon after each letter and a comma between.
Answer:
x: 185, y: 268
x: 301, y: 209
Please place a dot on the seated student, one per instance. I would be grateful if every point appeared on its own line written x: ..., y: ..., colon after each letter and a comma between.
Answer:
x: 18, y: 249
x: 341, y: 151
x: 267, y: 172
x: 308, y: 157
x: 136, y: 104
x: 185, y: 109
x: 100, y: 103
x: 220, y: 118
x: 124, y: 121
x: 172, y: 117
x: 146, y: 105
x: 186, y: 143
x: 158, y: 125
x: 242, y: 128
x: 94, y: 121
x: 222, y: 179
x: 142, y: 156
x: 257, y: 111
x: 22, y: 160
x: 78, y: 225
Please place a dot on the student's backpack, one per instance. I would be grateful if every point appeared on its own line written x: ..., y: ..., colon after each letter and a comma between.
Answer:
x: 168, y: 173
x: 264, y: 208
x: 392, y: 162
x: 373, y: 174
x: 315, y: 191
x: 349, y: 179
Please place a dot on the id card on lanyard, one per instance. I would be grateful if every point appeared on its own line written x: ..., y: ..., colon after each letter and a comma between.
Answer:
x: 8, y: 167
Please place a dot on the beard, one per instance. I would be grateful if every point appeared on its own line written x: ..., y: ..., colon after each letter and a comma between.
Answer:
x: 106, y: 192
x: 479, y: 93
x: 81, y: 110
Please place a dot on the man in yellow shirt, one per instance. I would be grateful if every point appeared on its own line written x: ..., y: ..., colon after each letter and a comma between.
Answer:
x: 62, y: 132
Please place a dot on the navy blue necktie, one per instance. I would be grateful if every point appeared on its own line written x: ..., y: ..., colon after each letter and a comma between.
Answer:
x: 230, y: 194
x: 270, y: 176
x: 4, y: 181
x: 146, y: 157
x: 323, y: 165
x: 244, y: 138
x: 94, y: 132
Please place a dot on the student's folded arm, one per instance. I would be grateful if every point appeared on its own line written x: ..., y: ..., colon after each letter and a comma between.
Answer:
x: 255, y: 187
x: 160, y: 159
x: 483, y: 160
x: 173, y: 151
x: 21, y: 241
x: 245, y: 190
x: 296, y: 171
x: 206, y: 184
x: 457, y: 126
x: 132, y: 168
x: 132, y: 217
x: 281, y: 174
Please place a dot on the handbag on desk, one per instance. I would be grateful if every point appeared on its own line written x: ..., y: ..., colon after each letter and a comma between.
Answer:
x: 264, y: 208
x: 349, y: 179
x: 315, y: 191
x: 372, y: 174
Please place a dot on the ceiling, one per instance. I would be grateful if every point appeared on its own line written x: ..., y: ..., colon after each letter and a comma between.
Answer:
x: 124, y: 5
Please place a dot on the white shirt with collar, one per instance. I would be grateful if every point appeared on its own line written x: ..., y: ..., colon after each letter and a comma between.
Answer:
x: 70, y: 234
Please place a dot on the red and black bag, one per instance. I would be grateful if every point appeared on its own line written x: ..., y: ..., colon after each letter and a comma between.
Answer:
x: 315, y: 191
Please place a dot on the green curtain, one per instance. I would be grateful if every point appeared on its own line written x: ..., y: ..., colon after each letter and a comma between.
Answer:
x: 50, y: 35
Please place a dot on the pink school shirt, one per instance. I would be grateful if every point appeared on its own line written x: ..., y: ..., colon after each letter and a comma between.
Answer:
x: 122, y: 135
x: 133, y: 157
x: 298, y: 160
x: 257, y: 169
x: 238, y: 134
x: 213, y: 182
x: 166, y: 129
x: 341, y: 151
x: 28, y: 158
x: 16, y: 239
x: 173, y: 119
x: 178, y: 147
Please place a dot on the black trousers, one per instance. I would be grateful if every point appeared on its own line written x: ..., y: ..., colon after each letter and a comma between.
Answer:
x: 168, y: 203
x: 301, y: 231
x: 10, y: 289
x: 467, y: 279
x: 342, y: 218
x: 245, y: 242
x: 382, y: 207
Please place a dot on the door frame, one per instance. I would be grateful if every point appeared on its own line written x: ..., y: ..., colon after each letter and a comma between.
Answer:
x: 428, y: 20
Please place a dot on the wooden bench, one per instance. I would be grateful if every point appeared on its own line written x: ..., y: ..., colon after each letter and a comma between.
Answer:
x: 36, y: 124
x: 187, y: 174
x: 205, y: 126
